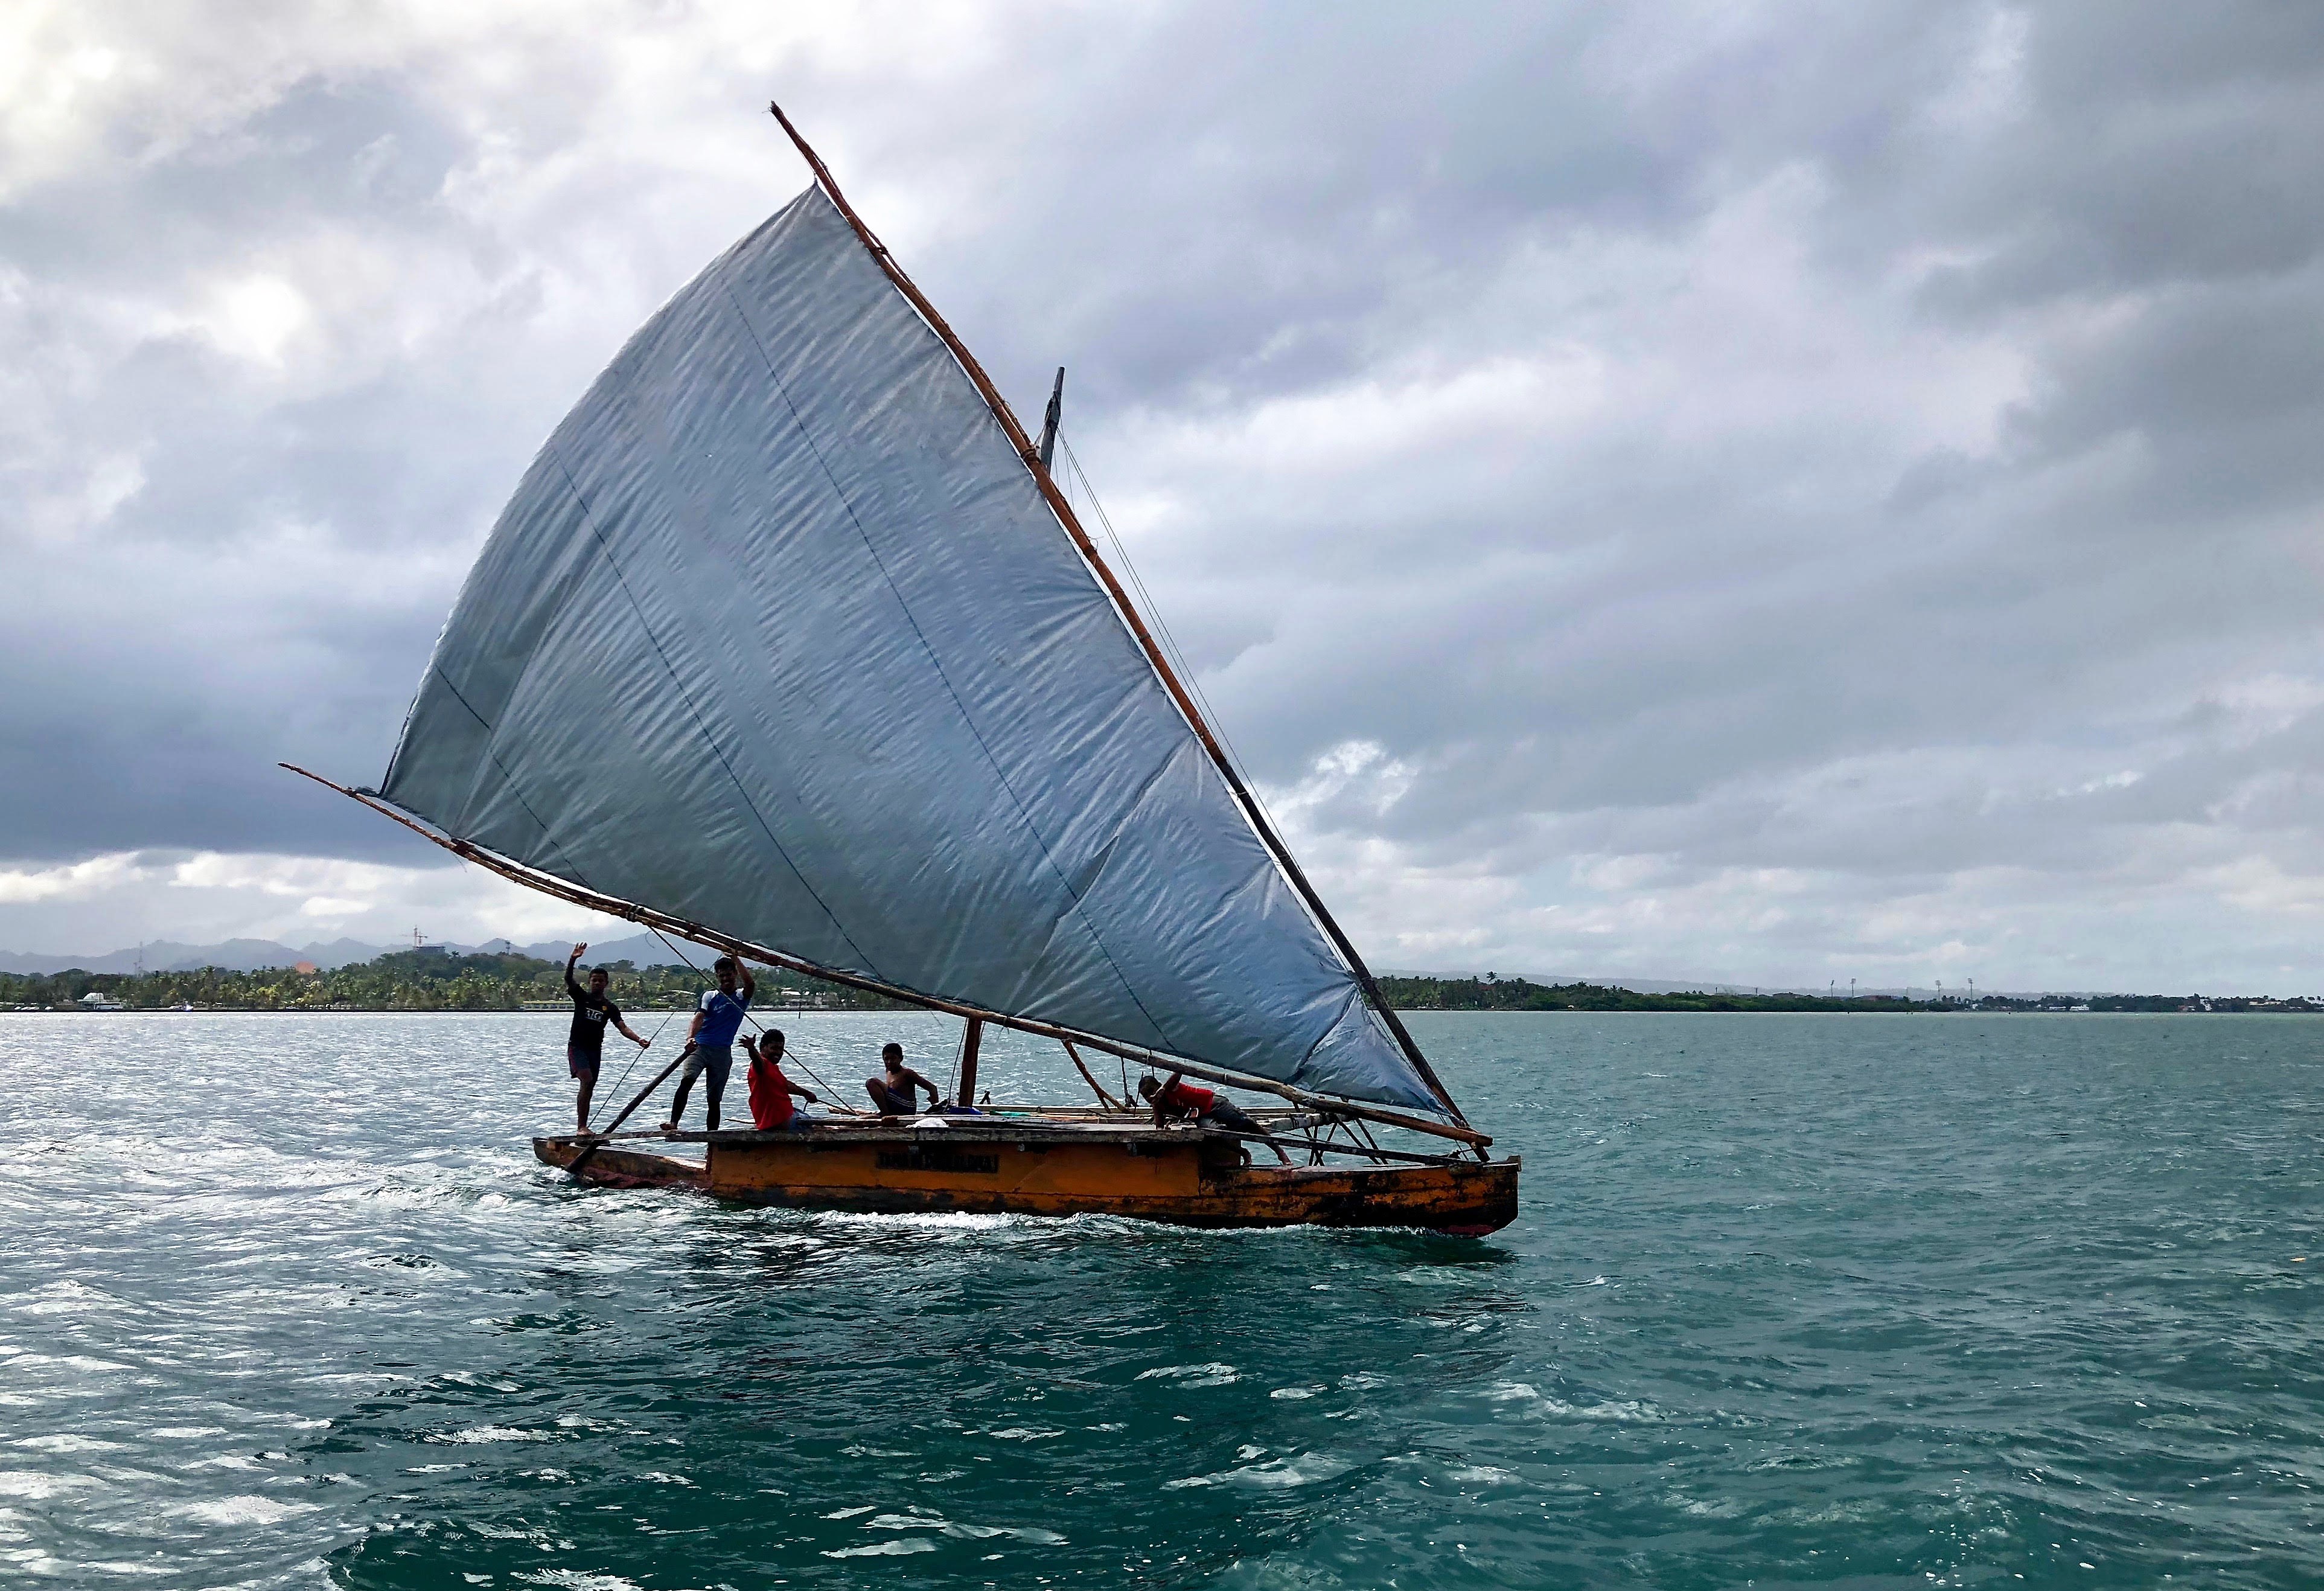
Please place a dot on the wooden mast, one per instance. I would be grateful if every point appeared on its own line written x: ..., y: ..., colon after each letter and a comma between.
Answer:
x: 575, y: 894
x: 1252, y: 812
x: 969, y: 1041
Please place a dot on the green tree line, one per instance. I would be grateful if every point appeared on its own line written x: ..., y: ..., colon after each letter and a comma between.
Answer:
x: 436, y: 980
x: 403, y: 980
x: 1497, y: 994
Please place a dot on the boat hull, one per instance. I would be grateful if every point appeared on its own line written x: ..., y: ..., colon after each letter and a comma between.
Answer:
x: 1185, y: 1179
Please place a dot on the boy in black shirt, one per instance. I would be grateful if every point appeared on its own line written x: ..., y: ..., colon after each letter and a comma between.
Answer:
x: 585, y: 1046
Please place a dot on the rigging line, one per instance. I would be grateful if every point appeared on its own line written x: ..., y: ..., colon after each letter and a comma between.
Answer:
x: 751, y: 1017
x: 952, y: 1079
x: 1088, y: 494
x: 1162, y: 625
x: 1040, y: 840
x: 633, y: 1059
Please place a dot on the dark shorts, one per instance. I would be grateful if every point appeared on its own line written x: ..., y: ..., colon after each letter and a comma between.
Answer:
x: 582, y: 1063
x: 892, y: 1104
x: 718, y: 1061
x: 1232, y: 1118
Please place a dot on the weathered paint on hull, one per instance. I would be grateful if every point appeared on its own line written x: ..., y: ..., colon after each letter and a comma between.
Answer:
x: 1191, y: 1182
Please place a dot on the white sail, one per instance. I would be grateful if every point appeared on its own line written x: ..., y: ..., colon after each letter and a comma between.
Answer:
x: 777, y: 636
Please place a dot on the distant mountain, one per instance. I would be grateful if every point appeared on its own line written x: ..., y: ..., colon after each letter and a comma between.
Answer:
x: 638, y: 950
x: 338, y: 953
x: 252, y: 955
x: 169, y: 955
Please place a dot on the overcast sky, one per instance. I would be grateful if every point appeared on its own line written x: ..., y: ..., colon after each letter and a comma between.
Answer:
x: 1765, y: 492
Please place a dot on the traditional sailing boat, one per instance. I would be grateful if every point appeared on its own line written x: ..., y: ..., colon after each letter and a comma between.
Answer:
x: 789, y: 644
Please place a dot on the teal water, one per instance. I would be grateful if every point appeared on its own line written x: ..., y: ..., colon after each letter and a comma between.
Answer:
x: 1849, y: 1301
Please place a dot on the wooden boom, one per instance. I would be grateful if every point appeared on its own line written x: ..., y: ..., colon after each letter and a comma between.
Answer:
x: 549, y: 883
x: 1035, y: 462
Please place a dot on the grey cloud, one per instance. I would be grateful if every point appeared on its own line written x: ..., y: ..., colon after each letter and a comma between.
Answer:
x: 1885, y: 425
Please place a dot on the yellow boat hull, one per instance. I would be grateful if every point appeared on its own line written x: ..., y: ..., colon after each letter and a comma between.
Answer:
x: 1186, y: 1178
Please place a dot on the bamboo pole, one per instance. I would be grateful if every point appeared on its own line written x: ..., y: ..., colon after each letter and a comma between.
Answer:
x: 1075, y: 1057
x: 1252, y: 812
x: 550, y: 884
x: 628, y: 1110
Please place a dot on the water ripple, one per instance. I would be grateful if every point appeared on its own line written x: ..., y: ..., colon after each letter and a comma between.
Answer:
x: 1870, y: 1302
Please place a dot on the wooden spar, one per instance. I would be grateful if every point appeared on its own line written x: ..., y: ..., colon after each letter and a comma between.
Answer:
x: 1252, y: 812
x: 969, y: 1041
x: 1050, y: 421
x: 1075, y: 1057
x: 550, y: 884
x: 1353, y: 1151
x: 628, y: 1110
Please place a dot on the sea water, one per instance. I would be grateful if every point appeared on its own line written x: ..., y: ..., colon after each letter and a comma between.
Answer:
x: 1856, y: 1302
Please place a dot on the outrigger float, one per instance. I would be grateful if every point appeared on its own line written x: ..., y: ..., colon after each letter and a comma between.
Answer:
x: 790, y: 645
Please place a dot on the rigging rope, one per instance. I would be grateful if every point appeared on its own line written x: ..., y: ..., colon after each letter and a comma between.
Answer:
x: 637, y: 1057
x: 1088, y: 494
x: 830, y: 1093
x: 959, y: 1048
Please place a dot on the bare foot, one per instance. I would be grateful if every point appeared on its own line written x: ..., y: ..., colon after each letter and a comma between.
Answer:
x: 670, y: 1126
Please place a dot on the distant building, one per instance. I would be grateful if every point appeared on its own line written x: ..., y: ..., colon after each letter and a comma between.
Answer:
x: 305, y: 969
x: 99, y: 1000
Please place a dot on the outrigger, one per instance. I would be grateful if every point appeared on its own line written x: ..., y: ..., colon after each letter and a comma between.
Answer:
x: 778, y: 650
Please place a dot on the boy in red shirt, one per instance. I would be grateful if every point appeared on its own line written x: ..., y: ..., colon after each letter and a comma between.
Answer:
x: 770, y: 1091
x: 1178, y: 1097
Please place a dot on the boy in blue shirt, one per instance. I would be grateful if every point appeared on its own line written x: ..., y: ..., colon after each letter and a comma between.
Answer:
x: 710, y: 1042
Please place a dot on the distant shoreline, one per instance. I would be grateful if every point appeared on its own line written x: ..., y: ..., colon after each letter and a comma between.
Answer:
x: 437, y: 980
x: 1492, y: 994
x: 1649, y: 1005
